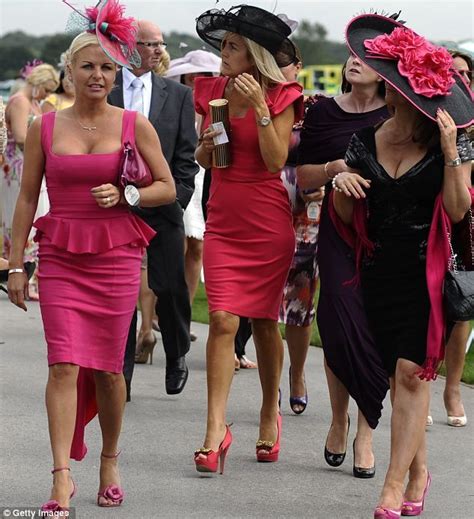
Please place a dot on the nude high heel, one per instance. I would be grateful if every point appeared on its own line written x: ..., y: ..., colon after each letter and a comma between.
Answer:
x: 145, y: 349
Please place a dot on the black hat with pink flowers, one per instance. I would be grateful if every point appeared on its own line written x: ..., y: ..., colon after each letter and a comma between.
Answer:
x: 420, y: 71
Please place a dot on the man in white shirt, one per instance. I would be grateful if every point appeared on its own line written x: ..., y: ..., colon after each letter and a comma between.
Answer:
x: 169, y: 107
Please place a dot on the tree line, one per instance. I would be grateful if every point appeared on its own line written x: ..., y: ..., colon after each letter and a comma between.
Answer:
x: 16, y: 48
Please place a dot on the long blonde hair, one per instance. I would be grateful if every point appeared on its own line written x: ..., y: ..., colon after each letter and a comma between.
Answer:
x: 268, y: 72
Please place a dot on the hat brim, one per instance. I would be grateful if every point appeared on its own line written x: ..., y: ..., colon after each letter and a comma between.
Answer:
x: 213, y: 25
x: 459, y: 103
x: 189, y: 68
x: 114, y: 49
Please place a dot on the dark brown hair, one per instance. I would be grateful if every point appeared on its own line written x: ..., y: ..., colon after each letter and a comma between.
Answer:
x: 347, y: 87
x: 426, y: 132
x: 298, y: 57
x: 466, y: 58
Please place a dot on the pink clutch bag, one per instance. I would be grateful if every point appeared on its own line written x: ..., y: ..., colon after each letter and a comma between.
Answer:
x: 134, y: 170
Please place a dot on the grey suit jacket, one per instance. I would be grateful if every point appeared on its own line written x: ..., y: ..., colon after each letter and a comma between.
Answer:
x: 172, y: 115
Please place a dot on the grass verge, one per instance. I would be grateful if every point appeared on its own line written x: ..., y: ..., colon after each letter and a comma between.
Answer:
x: 201, y: 315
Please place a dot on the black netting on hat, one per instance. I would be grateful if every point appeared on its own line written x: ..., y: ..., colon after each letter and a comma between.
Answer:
x: 254, y: 23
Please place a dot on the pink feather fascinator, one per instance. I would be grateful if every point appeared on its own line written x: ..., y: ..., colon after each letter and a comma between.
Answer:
x: 115, y: 32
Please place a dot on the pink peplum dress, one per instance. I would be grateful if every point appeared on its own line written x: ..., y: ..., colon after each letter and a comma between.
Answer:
x: 89, y: 272
x: 249, y: 239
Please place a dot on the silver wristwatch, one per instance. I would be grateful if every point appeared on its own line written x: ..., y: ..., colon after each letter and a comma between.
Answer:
x: 453, y: 163
x: 132, y: 195
x: 264, y: 121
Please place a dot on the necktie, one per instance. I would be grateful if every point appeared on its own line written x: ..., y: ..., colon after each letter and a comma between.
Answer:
x: 137, y: 95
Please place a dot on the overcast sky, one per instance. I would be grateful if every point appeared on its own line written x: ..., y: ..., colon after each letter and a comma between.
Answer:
x: 436, y: 19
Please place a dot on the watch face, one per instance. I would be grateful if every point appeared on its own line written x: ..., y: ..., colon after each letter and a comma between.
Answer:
x: 265, y: 121
x: 132, y: 195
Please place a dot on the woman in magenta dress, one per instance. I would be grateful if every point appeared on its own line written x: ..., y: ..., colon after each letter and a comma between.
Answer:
x: 249, y: 239
x: 90, y: 246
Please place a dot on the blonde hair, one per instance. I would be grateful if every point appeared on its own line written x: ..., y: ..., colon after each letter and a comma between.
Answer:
x: 81, y: 41
x: 41, y: 74
x: 162, y: 68
x: 267, y: 68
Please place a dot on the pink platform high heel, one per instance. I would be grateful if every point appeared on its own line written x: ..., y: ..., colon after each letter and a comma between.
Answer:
x: 207, y: 460
x: 387, y: 513
x: 52, y: 505
x: 412, y: 508
x: 112, y: 492
x: 271, y: 450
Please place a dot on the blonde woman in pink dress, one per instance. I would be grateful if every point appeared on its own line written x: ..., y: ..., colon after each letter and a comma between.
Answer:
x: 90, y: 245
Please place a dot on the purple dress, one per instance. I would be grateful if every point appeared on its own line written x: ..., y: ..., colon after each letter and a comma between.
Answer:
x: 348, y: 344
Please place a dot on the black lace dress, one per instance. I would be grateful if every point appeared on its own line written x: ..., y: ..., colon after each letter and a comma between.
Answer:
x: 399, y: 217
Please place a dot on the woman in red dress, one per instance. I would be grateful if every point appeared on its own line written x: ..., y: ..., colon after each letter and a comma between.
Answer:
x: 249, y: 239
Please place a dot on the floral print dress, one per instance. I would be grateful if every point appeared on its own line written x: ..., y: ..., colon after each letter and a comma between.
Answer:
x: 12, y: 170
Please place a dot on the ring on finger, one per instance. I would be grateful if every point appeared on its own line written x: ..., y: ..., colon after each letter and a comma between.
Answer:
x: 107, y: 200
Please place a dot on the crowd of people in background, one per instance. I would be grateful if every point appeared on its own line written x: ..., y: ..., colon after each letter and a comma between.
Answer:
x: 342, y: 191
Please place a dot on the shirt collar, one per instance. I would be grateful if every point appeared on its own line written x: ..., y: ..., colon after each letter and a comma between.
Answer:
x: 128, y: 77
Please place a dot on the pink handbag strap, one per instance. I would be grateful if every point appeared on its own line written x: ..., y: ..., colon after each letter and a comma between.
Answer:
x: 128, y: 127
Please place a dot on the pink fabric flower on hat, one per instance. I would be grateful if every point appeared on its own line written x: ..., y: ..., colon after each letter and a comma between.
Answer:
x: 427, y: 67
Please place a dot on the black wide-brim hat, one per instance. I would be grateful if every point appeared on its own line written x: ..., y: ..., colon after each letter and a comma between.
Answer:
x: 458, y: 103
x: 254, y: 23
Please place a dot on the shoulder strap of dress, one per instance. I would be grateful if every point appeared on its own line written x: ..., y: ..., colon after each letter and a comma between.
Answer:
x: 47, y: 128
x: 128, y: 126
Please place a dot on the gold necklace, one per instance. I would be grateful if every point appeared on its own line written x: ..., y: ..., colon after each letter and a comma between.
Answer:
x: 88, y: 128
x: 84, y: 127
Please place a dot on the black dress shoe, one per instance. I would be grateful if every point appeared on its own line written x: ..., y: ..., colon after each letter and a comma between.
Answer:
x: 360, y: 472
x: 176, y: 375
x: 336, y: 459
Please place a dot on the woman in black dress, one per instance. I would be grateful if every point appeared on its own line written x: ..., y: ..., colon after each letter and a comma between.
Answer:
x: 351, y: 362
x: 414, y: 172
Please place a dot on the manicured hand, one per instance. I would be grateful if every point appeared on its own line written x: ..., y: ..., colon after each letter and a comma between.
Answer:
x: 448, y: 133
x: 352, y: 184
x: 247, y: 86
x: 106, y: 195
x: 207, y: 139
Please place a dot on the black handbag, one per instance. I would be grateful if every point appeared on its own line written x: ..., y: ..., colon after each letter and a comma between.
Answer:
x: 459, y: 280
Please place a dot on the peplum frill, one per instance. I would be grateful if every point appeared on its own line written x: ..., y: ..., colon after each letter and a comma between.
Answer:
x: 93, y: 236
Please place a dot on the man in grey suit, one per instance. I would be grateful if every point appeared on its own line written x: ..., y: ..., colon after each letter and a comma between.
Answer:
x: 169, y: 107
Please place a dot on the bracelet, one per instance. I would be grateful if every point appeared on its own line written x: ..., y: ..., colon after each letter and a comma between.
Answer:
x: 16, y: 271
x: 326, y: 170
x: 334, y: 185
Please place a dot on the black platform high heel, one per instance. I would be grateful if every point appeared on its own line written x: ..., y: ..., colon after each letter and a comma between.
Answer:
x: 337, y: 459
